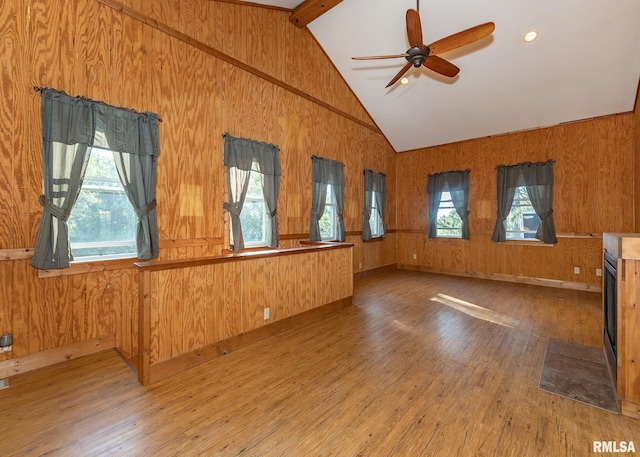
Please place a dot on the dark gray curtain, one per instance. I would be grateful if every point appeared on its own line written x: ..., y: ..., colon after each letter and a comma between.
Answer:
x: 373, y: 182
x: 133, y: 138
x: 457, y: 184
x: 538, y: 180
x: 506, y: 190
x: 318, y: 200
x: 240, y: 154
x: 323, y: 172
x: 70, y: 126
x: 138, y: 176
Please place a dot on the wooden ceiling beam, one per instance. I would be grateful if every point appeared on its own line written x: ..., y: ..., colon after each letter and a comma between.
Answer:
x: 309, y: 10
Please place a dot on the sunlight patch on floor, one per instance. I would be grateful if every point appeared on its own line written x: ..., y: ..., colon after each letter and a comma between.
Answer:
x: 475, y: 311
x: 402, y: 326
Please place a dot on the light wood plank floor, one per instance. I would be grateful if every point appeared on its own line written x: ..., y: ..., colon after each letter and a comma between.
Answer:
x: 421, y: 365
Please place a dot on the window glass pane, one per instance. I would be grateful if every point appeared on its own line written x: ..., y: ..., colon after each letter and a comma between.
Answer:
x: 449, y: 223
x: 330, y: 197
x: 327, y: 222
x: 253, y: 216
x: 102, y: 222
x: 522, y: 222
x: 255, y: 185
x: 374, y: 220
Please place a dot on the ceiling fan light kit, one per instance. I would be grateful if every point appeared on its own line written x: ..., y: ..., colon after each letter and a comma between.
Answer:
x: 419, y: 54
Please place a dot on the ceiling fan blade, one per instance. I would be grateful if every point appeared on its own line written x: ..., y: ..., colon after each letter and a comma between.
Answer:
x: 414, y: 29
x: 379, y: 57
x: 461, y: 38
x: 399, y: 75
x: 439, y: 65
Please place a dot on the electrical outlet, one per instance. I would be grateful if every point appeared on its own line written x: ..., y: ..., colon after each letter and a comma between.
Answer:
x: 360, y: 266
x: 576, y: 270
x: 415, y: 256
x: 598, y: 272
x: 267, y: 313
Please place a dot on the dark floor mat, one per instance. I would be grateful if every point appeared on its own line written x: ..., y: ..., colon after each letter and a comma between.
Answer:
x: 579, y: 373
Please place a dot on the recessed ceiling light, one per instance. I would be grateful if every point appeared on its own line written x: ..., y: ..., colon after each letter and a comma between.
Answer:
x: 530, y: 36
x: 404, y: 81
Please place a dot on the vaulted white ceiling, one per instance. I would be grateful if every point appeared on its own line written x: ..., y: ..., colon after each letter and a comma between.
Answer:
x: 585, y: 63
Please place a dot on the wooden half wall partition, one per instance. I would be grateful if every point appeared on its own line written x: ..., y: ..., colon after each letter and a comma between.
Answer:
x: 192, y: 311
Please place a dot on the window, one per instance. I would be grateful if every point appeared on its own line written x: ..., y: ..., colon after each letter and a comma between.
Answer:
x: 449, y: 204
x: 522, y: 221
x: 525, y: 190
x: 449, y: 223
x: 102, y: 223
x: 328, y: 221
x: 327, y: 200
x: 253, y: 217
x: 253, y: 169
x: 99, y: 226
x: 375, y: 190
x: 375, y: 221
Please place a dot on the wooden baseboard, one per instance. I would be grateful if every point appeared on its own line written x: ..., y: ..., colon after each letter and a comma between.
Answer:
x: 19, y: 365
x: 629, y: 408
x: 508, y: 278
x: 375, y: 271
x: 172, y: 366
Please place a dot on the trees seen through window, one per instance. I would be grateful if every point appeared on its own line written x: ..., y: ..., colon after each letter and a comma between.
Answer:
x: 522, y: 221
x: 449, y: 223
x: 102, y: 222
x: 253, y: 217
x: 328, y: 222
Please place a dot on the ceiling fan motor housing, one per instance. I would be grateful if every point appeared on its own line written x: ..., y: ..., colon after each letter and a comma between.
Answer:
x: 417, y: 55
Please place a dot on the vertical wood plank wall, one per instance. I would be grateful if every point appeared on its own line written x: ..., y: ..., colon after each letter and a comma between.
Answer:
x: 593, y: 193
x: 198, y: 305
x: 146, y: 61
x: 636, y: 139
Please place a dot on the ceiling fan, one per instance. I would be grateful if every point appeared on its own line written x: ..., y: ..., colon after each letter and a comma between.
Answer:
x: 420, y: 54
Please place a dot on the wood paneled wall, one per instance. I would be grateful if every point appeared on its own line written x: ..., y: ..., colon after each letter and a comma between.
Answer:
x: 636, y: 139
x: 206, y: 68
x: 203, y: 303
x: 593, y: 193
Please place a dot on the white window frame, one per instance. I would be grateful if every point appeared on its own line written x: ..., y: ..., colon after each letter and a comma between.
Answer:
x: 104, y: 179
x: 446, y: 204
x: 521, y: 233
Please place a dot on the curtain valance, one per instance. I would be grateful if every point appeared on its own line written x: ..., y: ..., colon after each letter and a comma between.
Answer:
x: 374, y: 182
x: 526, y: 174
x: 243, y: 152
x: 79, y: 120
x: 327, y: 171
x: 448, y: 181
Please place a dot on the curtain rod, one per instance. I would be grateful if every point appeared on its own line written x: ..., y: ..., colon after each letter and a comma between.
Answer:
x: 374, y: 172
x: 40, y: 89
x: 528, y: 164
x: 226, y: 135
